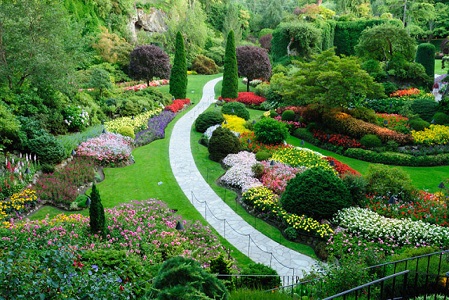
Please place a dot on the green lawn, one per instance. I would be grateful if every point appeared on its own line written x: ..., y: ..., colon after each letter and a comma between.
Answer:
x: 438, y: 69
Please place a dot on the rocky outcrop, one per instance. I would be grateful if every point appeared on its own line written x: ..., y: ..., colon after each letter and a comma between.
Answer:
x: 152, y: 22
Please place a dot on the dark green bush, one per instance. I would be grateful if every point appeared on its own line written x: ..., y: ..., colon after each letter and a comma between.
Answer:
x: 356, y: 186
x: 47, y: 148
x: 371, y: 141
x: 425, y: 55
x: 390, y: 87
x: 317, y: 193
x: 363, y: 113
x: 235, y: 108
x: 204, y: 65
x: 288, y: 115
x: 440, y: 118
x: 271, y: 132
x: 374, y: 69
x: 222, y: 143
x: 263, y: 155
x: 258, y: 282
x: 425, y: 108
x: 306, y: 135
x: 208, y: 119
x: 387, y: 182
x: 97, y: 219
x: 257, y: 170
x: 418, y: 124
x: 181, y: 278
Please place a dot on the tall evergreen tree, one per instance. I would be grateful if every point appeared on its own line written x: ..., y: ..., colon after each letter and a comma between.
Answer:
x: 229, y: 88
x: 178, y: 76
x: 96, y: 212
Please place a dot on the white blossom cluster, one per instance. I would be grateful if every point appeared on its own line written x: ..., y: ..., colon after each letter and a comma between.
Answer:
x: 239, y: 173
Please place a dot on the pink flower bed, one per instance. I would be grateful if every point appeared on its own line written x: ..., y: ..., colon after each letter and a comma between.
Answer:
x: 276, y: 177
x: 142, y: 86
x: 108, y: 149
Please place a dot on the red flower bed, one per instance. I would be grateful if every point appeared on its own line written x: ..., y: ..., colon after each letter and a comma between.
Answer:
x: 337, y: 139
x: 341, y: 168
x: 407, y: 92
x: 247, y: 98
x: 177, y: 105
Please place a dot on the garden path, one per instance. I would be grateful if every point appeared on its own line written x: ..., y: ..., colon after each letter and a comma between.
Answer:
x: 230, y: 225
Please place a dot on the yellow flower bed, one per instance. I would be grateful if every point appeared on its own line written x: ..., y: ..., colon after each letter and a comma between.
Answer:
x: 235, y: 123
x: 138, y: 123
x: 297, y: 157
x: 17, y: 203
x: 434, y: 135
x: 265, y: 200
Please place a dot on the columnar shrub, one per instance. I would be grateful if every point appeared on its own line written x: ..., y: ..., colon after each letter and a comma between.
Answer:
x: 208, y: 119
x: 235, y: 108
x: 222, y: 143
x: 316, y: 193
x: 96, y: 213
x: 425, y: 55
x: 230, y: 73
x: 270, y: 131
x: 178, y: 75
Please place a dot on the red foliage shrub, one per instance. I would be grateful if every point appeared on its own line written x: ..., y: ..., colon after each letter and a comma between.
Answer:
x: 177, y: 105
x: 247, y: 98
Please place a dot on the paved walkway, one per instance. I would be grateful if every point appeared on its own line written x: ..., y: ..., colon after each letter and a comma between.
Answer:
x: 231, y: 226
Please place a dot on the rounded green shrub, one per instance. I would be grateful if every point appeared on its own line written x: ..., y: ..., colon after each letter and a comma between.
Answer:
x: 222, y: 143
x: 258, y: 282
x: 257, y: 169
x: 183, y: 278
x: 440, y: 118
x: 126, y: 131
x: 47, y: 148
x: 288, y: 115
x: 425, y: 108
x: 363, y: 113
x: 390, y: 87
x: 425, y: 55
x: 235, y: 108
x: 263, y: 155
x: 371, y: 141
x: 270, y: 131
x: 418, y: 124
x: 204, y: 65
x: 208, y: 119
x: 317, y: 193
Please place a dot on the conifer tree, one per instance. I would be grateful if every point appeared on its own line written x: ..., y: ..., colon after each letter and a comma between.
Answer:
x: 96, y: 212
x: 229, y: 88
x: 178, y: 76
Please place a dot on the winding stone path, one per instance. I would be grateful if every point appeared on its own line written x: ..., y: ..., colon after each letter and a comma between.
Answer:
x: 231, y: 226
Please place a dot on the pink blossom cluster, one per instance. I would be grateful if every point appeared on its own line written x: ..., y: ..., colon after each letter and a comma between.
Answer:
x: 276, y: 177
x: 240, y: 173
x: 142, y: 86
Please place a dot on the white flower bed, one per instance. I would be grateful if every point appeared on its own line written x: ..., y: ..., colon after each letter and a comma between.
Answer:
x: 373, y: 226
x: 240, y: 174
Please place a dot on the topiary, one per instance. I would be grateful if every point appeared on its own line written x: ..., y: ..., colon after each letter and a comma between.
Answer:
x: 425, y: 108
x: 263, y: 155
x: 270, y: 131
x: 97, y: 219
x: 229, y: 88
x: 126, y: 131
x: 47, y: 148
x: 371, y: 141
x: 418, y: 124
x: 178, y: 74
x: 440, y: 118
x: 204, y: 65
x: 317, y: 193
x: 363, y: 113
x: 288, y: 115
x: 222, y: 143
x: 425, y: 55
x: 235, y: 108
x: 183, y: 278
x: 208, y: 119
x: 258, y: 282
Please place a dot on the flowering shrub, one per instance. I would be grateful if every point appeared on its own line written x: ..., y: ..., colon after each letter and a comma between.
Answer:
x: 142, y: 86
x: 340, y: 167
x: 240, y: 174
x: 434, y: 135
x: 247, y: 98
x: 394, y: 122
x: 248, y: 142
x: 108, y: 149
x: 406, y: 92
x: 155, y: 128
x: 177, y: 105
x: 427, y: 207
x: 265, y: 201
x: 76, y: 118
x: 235, y: 123
x: 138, y: 122
x: 13, y: 176
x: 402, y: 231
x: 298, y: 110
x: 297, y: 157
x: 336, y: 139
x: 276, y: 176
x: 291, y: 125
x: 18, y: 203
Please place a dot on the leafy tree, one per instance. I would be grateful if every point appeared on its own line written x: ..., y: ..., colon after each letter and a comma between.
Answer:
x: 231, y: 22
x: 38, y: 43
x: 178, y: 76
x: 112, y: 48
x: 383, y: 41
x: 100, y: 79
x: 328, y: 80
x: 253, y: 62
x: 96, y: 212
x: 9, y: 126
x: 230, y: 84
x: 147, y: 62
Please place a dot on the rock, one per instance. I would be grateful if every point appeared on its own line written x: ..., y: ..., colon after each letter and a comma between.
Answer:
x: 152, y: 22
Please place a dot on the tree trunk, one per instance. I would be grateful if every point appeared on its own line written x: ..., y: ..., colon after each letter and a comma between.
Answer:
x: 247, y: 85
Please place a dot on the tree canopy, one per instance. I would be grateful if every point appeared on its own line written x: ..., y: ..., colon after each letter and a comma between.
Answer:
x: 147, y: 62
x: 253, y: 62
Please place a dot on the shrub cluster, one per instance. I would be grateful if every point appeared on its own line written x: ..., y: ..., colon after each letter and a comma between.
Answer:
x: 235, y: 108
x: 434, y: 135
x: 207, y: 119
x: 222, y: 143
x: 270, y: 131
x: 204, y: 65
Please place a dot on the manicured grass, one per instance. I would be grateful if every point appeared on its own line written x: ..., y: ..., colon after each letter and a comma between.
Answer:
x: 438, y: 69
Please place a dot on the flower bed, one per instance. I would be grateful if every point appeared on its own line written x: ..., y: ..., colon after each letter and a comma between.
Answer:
x: 434, y: 135
x: 18, y: 204
x: 247, y: 98
x: 142, y: 86
x: 297, y: 157
x: 405, y: 92
x: 155, y: 128
x: 248, y: 142
x: 341, y: 168
x: 240, y: 175
x: 138, y: 123
x: 373, y: 226
x: 394, y: 122
x: 109, y: 149
x: 235, y: 123
x: 336, y: 139
x: 177, y: 105
x: 276, y: 176
x: 14, y: 176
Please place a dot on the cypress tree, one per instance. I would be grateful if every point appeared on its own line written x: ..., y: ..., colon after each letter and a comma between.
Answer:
x: 96, y: 212
x: 178, y: 76
x: 425, y: 55
x: 230, y: 85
